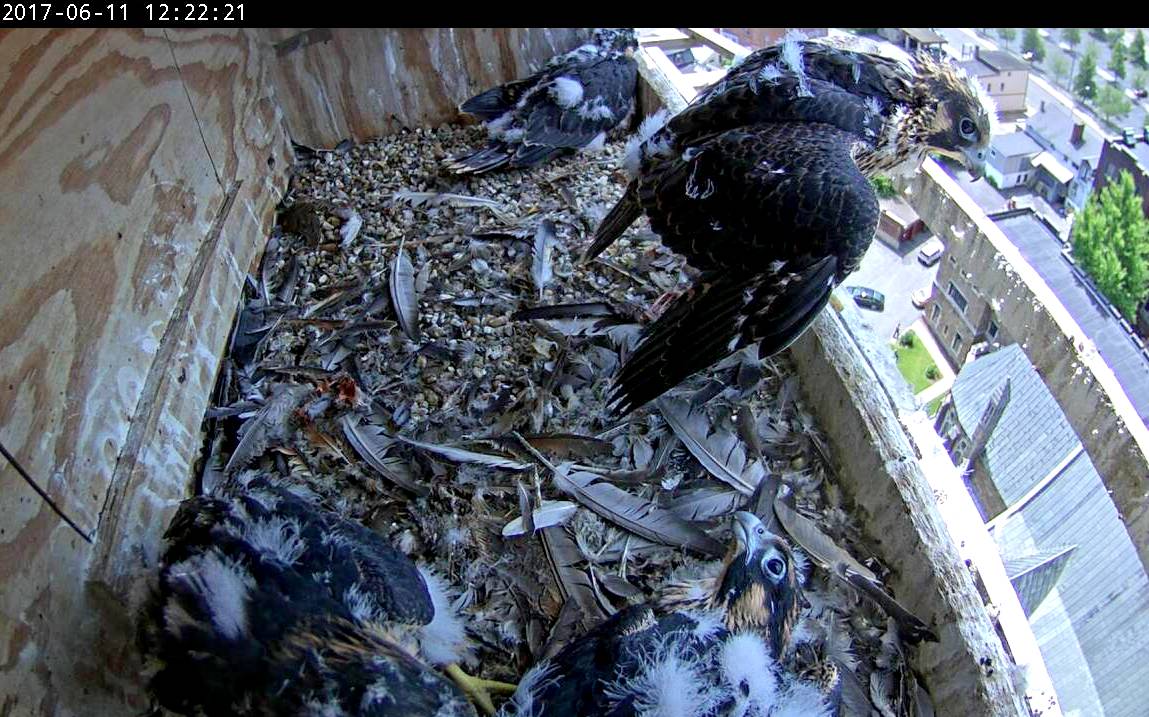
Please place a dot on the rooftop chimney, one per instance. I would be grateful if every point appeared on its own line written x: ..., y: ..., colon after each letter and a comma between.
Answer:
x: 1078, y: 135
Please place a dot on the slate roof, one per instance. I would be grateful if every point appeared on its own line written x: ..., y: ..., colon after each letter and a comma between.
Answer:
x: 1091, y: 623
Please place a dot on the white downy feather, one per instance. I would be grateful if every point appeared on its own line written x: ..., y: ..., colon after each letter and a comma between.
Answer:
x: 444, y: 639
x: 751, y: 674
x: 276, y: 537
x: 668, y: 684
x: 566, y: 91
x: 224, y: 585
x: 646, y: 130
x: 524, y: 702
x: 801, y: 699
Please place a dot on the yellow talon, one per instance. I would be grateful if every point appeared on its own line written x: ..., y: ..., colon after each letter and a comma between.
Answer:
x: 476, y: 688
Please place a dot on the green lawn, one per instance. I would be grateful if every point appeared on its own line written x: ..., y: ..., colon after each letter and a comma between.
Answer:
x: 933, y: 406
x: 913, y: 362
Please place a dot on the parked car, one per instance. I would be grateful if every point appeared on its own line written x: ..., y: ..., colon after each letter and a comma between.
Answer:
x: 931, y: 251
x: 921, y: 297
x: 867, y: 298
x: 1141, y: 93
x: 1129, y: 136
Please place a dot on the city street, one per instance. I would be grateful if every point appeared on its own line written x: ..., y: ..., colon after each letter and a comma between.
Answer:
x: 897, y: 275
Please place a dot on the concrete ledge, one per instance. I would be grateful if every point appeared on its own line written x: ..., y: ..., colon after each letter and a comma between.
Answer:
x: 968, y: 671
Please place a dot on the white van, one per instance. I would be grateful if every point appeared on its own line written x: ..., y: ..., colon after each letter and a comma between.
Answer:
x: 931, y: 251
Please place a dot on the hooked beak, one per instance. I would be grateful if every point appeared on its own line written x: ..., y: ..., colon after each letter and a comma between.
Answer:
x: 746, y: 534
x: 974, y: 160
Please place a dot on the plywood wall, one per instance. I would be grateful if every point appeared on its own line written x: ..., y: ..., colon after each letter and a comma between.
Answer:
x: 140, y: 171
x: 360, y: 83
x: 139, y: 179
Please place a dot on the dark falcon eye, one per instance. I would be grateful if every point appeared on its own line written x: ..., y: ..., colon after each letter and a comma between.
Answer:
x: 967, y: 127
x: 775, y: 566
x: 760, y: 530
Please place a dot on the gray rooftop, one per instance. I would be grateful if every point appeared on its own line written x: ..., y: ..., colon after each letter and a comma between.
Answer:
x: 924, y: 35
x: 1001, y: 61
x: 1093, y: 625
x: 991, y: 62
x: 1032, y: 436
x: 1015, y: 144
x: 1042, y: 250
x: 1055, y: 125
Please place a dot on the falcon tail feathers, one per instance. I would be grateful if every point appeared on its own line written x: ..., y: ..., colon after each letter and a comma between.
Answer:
x: 700, y: 328
x: 490, y: 157
x: 719, y: 315
x: 622, y: 215
x: 533, y: 155
x: 794, y: 310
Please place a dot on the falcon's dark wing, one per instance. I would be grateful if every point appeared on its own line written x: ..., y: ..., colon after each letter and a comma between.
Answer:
x: 564, y: 108
x: 497, y: 101
x: 608, y: 87
x: 775, y: 215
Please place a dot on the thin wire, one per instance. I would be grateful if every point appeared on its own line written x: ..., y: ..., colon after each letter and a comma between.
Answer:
x: 43, y: 494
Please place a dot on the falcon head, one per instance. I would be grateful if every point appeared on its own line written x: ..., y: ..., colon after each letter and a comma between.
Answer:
x: 759, y: 586
x: 616, y: 39
x: 957, y: 116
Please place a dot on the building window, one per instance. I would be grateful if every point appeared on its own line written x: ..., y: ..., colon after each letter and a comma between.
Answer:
x: 1003, y: 87
x: 957, y: 297
x: 945, y: 330
x: 956, y: 344
x: 953, y: 260
x: 934, y: 313
x: 991, y: 332
x: 989, y: 87
x: 961, y: 449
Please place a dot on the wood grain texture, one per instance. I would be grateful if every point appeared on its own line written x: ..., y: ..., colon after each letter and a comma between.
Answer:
x: 225, y: 76
x: 360, y: 83
x: 114, y: 185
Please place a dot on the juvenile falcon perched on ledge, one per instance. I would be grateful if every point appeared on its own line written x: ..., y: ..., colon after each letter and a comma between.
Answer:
x: 762, y: 182
x: 571, y: 104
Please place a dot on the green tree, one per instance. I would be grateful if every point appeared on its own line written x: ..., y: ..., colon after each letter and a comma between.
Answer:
x: 1137, y: 50
x: 884, y: 186
x: 1112, y: 102
x: 1033, y: 44
x: 1117, y: 60
x: 1059, y: 66
x: 1099, y: 34
x: 1085, y: 84
x: 1007, y: 35
x: 1138, y: 81
x: 1071, y: 36
x: 1111, y: 243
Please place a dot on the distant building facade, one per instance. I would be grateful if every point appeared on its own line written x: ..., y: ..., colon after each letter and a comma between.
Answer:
x: 1010, y: 161
x: 1004, y: 77
x: 1065, y: 171
x: 1117, y: 156
x: 758, y: 37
